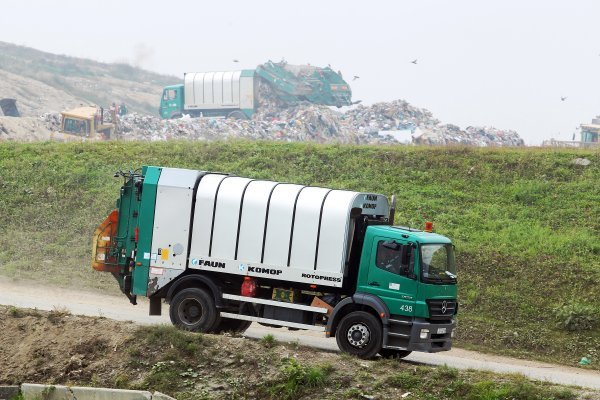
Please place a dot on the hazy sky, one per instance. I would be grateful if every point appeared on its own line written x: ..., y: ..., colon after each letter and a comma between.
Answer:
x: 501, y: 63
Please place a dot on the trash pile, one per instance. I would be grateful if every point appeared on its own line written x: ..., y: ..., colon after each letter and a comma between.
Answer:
x: 396, y: 122
x: 390, y: 120
x: 51, y: 120
x: 295, y: 124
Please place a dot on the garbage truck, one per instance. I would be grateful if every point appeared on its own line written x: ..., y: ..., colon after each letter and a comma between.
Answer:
x: 225, y: 251
x: 235, y: 94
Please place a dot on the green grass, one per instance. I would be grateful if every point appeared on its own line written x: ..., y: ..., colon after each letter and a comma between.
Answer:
x: 525, y: 221
x: 268, y: 340
x: 296, y: 378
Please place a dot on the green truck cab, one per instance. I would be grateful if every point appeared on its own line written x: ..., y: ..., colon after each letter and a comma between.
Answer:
x: 171, y: 102
x: 413, y: 272
x: 225, y: 251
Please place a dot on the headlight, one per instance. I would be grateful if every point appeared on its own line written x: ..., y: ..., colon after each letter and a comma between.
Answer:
x: 424, y: 333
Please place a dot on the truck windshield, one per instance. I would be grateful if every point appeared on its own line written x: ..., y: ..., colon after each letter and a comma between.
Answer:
x: 437, y: 264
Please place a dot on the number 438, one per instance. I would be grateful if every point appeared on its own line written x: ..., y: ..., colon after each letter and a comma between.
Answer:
x: 406, y: 308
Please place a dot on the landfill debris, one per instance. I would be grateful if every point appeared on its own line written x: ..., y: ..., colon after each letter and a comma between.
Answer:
x: 8, y: 108
x: 581, y: 161
x: 584, y: 361
x: 396, y: 122
x: 51, y: 120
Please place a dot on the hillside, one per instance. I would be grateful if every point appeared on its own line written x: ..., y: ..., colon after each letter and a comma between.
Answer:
x: 44, y: 82
x: 525, y: 222
x: 58, y: 348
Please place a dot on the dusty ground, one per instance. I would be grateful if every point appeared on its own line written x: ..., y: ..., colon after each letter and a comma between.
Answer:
x: 35, y: 97
x: 58, y: 348
x: 24, y: 129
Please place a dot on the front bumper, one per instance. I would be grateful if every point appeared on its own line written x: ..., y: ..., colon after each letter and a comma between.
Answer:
x: 435, y: 341
x: 404, y: 333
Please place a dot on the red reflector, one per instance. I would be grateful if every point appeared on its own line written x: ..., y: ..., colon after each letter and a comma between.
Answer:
x: 137, y: 234
x: 249, y: 287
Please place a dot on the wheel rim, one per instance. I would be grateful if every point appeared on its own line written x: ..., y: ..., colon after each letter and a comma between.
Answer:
x: 190, y: 311
x: 359, y: 335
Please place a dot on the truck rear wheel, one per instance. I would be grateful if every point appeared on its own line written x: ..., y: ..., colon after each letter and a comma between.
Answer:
x: 237, y: 115
x: 194, y: 309
x: 391, y: 353
x: 359, y: 333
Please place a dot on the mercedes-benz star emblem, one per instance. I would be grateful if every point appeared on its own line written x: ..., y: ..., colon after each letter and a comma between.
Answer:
x: 444, y: 307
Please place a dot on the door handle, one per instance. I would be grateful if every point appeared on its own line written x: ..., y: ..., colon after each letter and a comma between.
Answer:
x: 374, y: 283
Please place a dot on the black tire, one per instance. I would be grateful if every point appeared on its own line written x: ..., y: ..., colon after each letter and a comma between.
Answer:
x: 232, y: 325
x: 359, y: 334
x: 193, y: 309
x: 391, y: 353
x: 237, y: 115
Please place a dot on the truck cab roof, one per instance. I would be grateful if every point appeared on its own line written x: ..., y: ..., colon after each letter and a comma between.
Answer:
x: 409, y: 234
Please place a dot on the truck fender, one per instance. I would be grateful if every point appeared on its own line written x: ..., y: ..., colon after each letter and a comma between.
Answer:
x: 196, y: 280
x: 362, y: 300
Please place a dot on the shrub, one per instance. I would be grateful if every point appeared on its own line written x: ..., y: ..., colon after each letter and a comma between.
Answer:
x: 577, y: 316
x: 268, y: 340
x: 296, y: 377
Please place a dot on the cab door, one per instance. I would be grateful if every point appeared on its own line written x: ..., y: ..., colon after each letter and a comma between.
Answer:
x: 391, y: 275
x: 171, y: 102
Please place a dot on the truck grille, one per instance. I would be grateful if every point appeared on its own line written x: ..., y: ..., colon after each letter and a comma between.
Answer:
x: 441, y: 309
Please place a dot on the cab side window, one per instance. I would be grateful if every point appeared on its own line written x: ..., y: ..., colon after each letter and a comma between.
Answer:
x: 394, y: 257
x: 170, y: 94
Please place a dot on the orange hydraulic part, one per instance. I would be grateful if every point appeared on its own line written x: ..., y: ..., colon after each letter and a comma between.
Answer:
x: 104, y: 235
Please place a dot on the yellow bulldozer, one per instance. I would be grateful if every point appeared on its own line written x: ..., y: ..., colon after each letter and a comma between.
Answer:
x: 88, y: 123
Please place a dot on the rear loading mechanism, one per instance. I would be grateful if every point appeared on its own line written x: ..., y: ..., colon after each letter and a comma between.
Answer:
x: 225, y: 251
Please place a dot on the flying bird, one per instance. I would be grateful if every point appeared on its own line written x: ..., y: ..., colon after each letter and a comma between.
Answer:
x: 236, y: 60
x: 414, y: 61
x: 355, y: 77
x: 563, y: 98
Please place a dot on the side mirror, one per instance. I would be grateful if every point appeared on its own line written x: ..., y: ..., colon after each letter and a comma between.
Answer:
x: 391, y: 244
x: 405, y: 261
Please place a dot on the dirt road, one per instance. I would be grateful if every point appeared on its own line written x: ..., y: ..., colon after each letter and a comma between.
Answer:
x: 29, y: 295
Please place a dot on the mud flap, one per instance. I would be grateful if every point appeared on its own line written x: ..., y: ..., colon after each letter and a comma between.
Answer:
x: 155, y: 306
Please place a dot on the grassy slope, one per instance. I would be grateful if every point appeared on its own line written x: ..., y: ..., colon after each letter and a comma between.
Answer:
x: 525, y: 222
x: 57, y: 348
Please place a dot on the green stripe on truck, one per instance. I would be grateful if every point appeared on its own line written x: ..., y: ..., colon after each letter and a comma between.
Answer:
x: 146, y: 226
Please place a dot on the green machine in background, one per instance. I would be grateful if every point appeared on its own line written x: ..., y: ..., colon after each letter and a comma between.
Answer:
x: 235, y: 94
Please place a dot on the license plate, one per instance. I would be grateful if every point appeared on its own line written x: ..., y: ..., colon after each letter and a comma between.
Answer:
x: 283, y: 295
x: 441, y: 331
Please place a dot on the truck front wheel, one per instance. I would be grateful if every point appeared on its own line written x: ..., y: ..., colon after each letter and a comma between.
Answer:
x: 392, y: 353
x: 360, y: 334
x: 193, y: 309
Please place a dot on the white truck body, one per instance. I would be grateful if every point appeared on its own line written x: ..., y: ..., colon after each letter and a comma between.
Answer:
x: 219, y: 90
x: 253, y: 227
